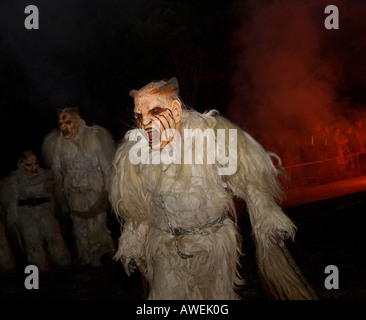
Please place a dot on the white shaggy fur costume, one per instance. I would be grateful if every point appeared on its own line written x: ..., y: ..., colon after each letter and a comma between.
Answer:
x: 35, y: 224
x: 180, y: 224
x: 83, y: 168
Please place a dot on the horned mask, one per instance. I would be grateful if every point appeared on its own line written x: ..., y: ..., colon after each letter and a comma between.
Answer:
x: 158, y: 111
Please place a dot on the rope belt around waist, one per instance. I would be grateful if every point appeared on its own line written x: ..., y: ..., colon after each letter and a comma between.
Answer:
x: 33, y: 202
x: 176, y: 232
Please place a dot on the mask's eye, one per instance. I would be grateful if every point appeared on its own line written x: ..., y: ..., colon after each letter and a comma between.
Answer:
x: 157, y: 111
x: 28, y: 164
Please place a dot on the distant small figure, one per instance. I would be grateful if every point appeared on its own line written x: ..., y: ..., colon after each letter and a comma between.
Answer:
x: 330, y: 165
x: 360, y: 132
x: 27, y: 196
x: 318, y: 143
x: 318, y: 151
x: 354, y: 148
x: 342, y: 152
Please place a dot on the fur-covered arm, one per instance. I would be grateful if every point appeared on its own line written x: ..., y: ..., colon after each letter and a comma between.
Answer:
x: 127, y: 199
x: 126, y: 191
x: 105, y: 153
x: 257, y: 181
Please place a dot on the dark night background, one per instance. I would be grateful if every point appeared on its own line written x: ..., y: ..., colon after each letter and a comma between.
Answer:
x: 269, y: 65
x: 92, y: 53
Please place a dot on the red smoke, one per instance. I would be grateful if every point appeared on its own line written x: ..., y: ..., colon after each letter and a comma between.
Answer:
x: 288, y: 69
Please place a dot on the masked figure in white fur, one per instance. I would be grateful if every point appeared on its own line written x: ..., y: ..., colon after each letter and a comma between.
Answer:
x: 27, y: 196
x: 81, y: 157
x: 180, y: 224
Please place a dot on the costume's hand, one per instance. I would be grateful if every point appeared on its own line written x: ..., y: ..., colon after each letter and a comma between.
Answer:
x: 281, y: 235
x: 129, y: 265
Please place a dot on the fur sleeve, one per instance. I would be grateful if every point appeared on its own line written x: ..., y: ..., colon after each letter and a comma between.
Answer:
x: 126, y: 193
x: 257, y: 181
x: 129, y: 203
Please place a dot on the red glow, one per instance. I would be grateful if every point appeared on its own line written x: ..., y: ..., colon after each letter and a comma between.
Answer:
x: 285, y: 91
x: 308, y: 194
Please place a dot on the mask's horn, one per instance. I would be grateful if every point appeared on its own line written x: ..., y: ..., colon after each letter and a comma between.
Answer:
x: 170, y: 85
x: 133, y: 93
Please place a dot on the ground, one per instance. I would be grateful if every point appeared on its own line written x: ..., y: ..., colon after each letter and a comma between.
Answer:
x: 330, y: 232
